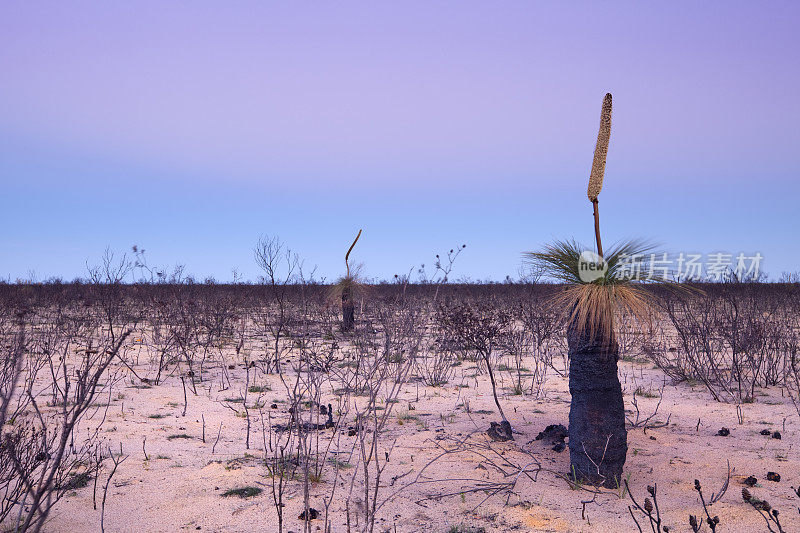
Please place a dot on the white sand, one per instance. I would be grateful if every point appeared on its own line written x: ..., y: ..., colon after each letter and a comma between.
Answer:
x: 180, y: 487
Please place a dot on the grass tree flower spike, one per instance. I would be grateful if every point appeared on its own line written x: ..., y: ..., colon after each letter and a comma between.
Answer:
x: 599, y: 166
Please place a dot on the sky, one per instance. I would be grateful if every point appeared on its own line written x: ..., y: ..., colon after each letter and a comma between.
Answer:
x: 191, y: 129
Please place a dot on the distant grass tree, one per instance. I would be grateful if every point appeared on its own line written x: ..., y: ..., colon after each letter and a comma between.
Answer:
x: 347, y: 287
x: 592, y: 298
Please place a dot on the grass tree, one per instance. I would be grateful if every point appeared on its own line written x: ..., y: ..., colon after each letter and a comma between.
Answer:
x: 598, y: 287
x: 347, y: 287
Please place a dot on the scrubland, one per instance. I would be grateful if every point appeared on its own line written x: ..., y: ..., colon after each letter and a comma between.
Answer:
x: 188, y: 406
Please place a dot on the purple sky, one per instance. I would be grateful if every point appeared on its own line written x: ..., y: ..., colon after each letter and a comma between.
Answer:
x: 193, y: 128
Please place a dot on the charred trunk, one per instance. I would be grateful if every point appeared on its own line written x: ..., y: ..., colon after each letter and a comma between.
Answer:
x: 348, y: 310
x: 598, y: 440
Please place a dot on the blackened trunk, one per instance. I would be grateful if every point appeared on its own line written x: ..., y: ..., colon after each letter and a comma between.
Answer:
x: 598, y: 440
x: 348, y: 310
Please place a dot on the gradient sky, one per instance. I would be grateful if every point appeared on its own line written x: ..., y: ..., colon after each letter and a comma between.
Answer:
x: 192, y: 128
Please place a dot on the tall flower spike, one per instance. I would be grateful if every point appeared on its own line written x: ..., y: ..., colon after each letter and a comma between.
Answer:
x: 600, y: 150
x: 347, y: 255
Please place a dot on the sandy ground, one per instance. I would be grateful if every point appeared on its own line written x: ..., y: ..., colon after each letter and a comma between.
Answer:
x: 180, y: 486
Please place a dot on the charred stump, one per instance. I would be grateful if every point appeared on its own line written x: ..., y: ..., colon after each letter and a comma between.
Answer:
x: 598, y: 439
x: 348, y: 310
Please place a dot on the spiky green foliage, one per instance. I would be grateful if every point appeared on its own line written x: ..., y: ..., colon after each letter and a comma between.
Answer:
x: 619, y: 290
x: 560, y: 260
x: 351, y: 282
